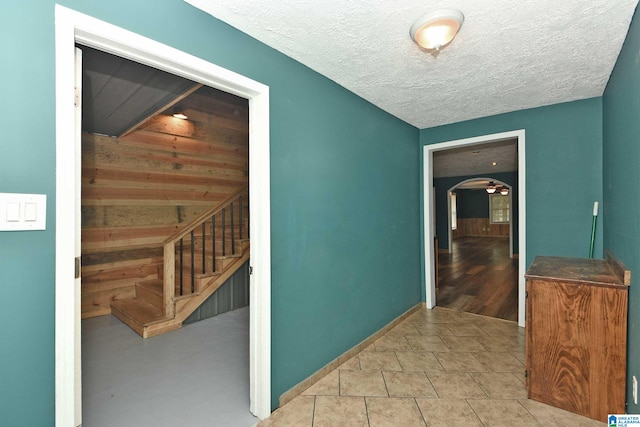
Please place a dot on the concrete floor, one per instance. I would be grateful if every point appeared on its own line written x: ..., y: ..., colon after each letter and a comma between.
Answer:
x: 196, y: 376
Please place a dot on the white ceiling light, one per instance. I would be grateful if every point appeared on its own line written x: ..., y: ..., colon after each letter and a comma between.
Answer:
x: 179, y: 114
x: 436, y: 30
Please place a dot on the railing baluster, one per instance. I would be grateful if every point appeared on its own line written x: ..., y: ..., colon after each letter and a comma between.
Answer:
x: 213, y: 242
x: 240, y: 217
x: 204, y: 256
x: 224, y: 234
x: 181, y: 269
x: 193, y: 252
x: 233, y: 239
x: 170, y: 263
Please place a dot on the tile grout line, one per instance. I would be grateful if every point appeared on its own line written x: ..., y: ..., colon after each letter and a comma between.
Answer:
x: 420, y: 410
x: 474, y: 411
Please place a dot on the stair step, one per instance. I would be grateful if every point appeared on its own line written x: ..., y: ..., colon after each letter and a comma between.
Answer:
x: 137, y: 314
x: 151, y: 292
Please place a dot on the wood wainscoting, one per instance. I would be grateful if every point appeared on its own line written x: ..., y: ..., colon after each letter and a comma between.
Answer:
x: 137, y: 190
x: 480, y: 227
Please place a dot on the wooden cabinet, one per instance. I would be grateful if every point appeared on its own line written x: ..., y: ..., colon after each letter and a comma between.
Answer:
x: 576, y: 334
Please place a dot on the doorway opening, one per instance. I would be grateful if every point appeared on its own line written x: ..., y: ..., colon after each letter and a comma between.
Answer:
x: 476, y: 270
x: 70, y: 28
x: 145, y: 174
x: 429, y: 195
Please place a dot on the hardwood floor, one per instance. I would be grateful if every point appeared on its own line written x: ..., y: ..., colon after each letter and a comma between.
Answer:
x: 479, y: 277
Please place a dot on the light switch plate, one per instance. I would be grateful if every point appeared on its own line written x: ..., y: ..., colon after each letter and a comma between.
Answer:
x: 23, y: 212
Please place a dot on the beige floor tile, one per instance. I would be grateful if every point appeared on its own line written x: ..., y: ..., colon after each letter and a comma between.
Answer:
x: 296, y: 413
x: 453, y: 385
x: 328, y: 386
x: 338, y: 411
x: 447, y: 412
x: 501, y: 385
x: 404, y: 328
x: 520, y: 355
x: 510, y: 329
x: 502, y: 413
x: 438, y: 366
x: 352, y: 364
x: 394, y: 412
x: 431, y: 343
x: 469, y: 344
x: 408, y: 384
x: 466, y: 330
x: 392, y: 343
x: 502, y: 343
x: 418, y: 361
x: 438, y: 315
x: 460, y: 362
x: 379, y: 360
x: 469, y: 318
x: 499, y: 362
x: 521, y: 376
x: 362, y: 383
x: 551, y: 416
x: 433, y: 329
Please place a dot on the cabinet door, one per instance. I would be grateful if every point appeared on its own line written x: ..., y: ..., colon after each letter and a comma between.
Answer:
x: 608, y: 373
x: 559, y: 331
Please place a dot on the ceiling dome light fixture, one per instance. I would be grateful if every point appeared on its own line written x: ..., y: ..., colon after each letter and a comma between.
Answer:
x: 436, y: 30
x: 491, y: 188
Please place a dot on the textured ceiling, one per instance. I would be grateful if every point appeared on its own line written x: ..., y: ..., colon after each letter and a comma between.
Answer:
x: 509, y: 55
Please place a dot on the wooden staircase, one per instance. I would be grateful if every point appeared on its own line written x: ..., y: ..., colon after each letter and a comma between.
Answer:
x: 198, y: 260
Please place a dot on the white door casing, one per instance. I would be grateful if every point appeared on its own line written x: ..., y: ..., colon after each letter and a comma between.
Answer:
x: 72, y: 27
x: 77, y: 167
x: 428, y: 221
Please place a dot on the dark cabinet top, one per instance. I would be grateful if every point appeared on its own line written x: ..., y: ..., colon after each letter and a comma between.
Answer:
x: 598, y: 272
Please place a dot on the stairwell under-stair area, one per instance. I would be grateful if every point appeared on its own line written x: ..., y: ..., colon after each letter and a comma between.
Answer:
x: 198, y: 260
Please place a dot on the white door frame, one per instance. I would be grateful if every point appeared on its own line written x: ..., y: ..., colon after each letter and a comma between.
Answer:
x: 428, y: 221
x: 451, y: 190
x: 72, y: 27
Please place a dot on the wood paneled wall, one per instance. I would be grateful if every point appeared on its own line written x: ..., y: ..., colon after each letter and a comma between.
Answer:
x: 478, y: 227
x: 139, y: 189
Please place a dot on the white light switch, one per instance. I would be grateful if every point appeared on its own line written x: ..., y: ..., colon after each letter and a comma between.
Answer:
x: 30, y: 211
x: 13, y: 212
x: 23, y: 211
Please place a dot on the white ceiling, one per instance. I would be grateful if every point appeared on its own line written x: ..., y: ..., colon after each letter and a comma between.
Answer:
x: 509, y: 54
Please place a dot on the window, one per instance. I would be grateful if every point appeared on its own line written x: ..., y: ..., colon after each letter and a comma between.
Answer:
x: 454, y: 212
x: 499, y: 209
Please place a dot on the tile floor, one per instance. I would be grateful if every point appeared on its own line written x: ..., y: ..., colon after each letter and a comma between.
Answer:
x: 437, y: 368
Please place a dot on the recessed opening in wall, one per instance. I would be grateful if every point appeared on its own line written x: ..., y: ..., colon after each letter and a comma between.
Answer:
x: 147, y: 177
x: 465, y: 168
x: 71, y: 28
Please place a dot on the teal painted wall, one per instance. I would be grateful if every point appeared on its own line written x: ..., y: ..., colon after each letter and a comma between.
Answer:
x: 473, y: 203
x: 621, y: 155
x: 344, y: 186
x: 563, y: 171
x: 27, y: 165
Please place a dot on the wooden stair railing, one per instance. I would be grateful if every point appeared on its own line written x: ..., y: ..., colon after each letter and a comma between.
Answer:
x: 206, y: 252
x: 200, y: 250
